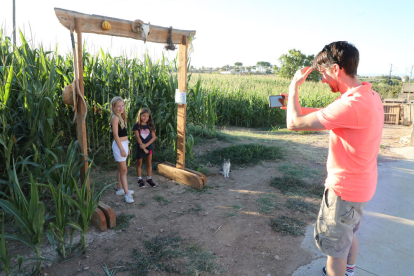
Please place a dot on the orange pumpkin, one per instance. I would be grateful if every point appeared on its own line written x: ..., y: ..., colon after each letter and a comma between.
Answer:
x: 106, y: 25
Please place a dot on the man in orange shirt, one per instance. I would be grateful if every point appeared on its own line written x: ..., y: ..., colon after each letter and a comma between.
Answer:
x: 355, y: 120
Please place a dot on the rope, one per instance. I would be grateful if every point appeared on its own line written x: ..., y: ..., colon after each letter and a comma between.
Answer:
x: 75, y: 84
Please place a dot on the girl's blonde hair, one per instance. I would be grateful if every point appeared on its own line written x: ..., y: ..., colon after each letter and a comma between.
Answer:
x: 150, y: 123
x: 123, y: 117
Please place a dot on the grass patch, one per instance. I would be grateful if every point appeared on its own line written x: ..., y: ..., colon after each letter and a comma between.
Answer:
x: 231, y: 215
x: 267, y: 203
x: 288, y: 226
x: 236, y: 207
x: 196, y: 209
x: 298, y: 170
x: 161, y: 199
x: 205, y: 190
x: 142, y: 204
x: 122, y: 221
x: 300, y: 205
x: 171, y: 254
x: 296, y: 186
x: 243, y: 154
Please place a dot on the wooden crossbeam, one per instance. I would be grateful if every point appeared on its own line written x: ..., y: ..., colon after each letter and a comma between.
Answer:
x: 91, y: 23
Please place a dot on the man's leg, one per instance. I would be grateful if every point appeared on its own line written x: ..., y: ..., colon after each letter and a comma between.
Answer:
x: 353, y: 251
x: 335, y: 266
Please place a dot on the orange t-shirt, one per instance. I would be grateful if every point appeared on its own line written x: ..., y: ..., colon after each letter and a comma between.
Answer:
x: 355, y: 120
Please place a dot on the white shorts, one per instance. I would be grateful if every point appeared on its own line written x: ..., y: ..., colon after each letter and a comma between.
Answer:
x: 117, y: 151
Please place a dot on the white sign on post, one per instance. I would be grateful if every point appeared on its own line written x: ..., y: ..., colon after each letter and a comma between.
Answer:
x: 180, y: 97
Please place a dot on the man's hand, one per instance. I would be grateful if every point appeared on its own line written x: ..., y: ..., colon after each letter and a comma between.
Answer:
x: 283, y: 100
x: 301, y: 75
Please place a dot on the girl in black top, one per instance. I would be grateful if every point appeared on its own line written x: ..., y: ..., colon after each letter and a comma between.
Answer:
x: 144, y: 131
x: 120, y: 146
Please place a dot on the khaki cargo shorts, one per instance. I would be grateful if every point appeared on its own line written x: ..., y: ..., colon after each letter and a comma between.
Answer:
x: 338, y: 220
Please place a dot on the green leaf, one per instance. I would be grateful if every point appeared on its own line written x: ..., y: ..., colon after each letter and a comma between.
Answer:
x: 20, y: 239
x: 7, y: 87
x: 75, y: 225
x: 11, y: 209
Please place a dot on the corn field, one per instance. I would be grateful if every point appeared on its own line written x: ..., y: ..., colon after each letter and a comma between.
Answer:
x: 243, y: 100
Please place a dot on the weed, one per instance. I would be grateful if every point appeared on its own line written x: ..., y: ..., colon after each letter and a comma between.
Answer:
x: 237, y: 207
x: 108, y: 250
x: 288, y: 226
x: 203, y: 169
x: 300, y: 205
x: 160, y: 251
x: 142, y: 204
x: 108, y: 272
x: 205, y: 190
x: 267, y: 203
x: 243, y: 154
x: 196, y: 209
x: 122, y: 221
x: 296, y: 186
x: 161, y: 199
x: 231, y: 215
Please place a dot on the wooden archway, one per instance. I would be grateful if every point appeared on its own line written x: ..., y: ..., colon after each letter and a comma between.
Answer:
x: 84, y: 23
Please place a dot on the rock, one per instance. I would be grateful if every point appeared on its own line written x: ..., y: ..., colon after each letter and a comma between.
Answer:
x: 161, y: 230
x: 277, y: 257
x: 237, y: 197
x: 86, y: 268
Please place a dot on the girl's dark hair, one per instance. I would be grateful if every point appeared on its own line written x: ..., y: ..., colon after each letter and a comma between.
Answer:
x: 345, y: 54
x: 150, y: 122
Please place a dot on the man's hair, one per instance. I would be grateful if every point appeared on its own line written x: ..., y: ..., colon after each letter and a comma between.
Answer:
x: 344, y: 54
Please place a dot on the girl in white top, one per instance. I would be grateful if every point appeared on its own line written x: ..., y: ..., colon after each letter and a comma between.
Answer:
x: 120, y: 146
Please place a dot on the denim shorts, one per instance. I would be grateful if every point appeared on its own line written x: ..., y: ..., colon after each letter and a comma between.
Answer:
x: 338, y: 220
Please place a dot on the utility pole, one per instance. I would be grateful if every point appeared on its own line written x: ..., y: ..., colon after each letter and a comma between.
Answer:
x: 14, y: 23
x: 389, y: 78
x: 411, y: 73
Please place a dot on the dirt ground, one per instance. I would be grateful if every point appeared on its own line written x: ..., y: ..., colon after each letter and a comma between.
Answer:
x: 224, y: 220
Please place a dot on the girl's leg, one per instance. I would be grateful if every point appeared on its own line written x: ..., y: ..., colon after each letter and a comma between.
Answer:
x: 122, y: 170
x: 138, y: 167
x: 149, y: 166
x: 118, y: 174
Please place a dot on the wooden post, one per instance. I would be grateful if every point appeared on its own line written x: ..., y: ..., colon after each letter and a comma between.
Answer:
x: 181, y: 110
x: 80, y: 123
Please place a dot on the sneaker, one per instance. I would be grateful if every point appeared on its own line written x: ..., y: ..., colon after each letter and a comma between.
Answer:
x: 122, y: 192
x: 149, y: 181
x: 128, y: 198
x: 324, y: 271
x: 141, y: 183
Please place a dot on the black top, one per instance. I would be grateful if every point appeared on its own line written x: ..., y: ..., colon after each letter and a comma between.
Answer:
x: 144, y: 134
x: 122, y: 132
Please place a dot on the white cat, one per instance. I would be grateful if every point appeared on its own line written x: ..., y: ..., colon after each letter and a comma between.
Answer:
x: 225, y: 168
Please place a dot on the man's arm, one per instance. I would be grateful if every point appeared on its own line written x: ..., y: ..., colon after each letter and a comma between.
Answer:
x: 297, y: 117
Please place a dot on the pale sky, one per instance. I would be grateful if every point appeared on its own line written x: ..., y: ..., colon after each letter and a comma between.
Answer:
x: 230, y: 31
